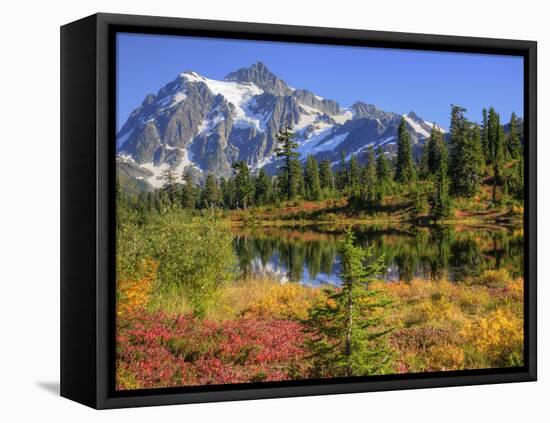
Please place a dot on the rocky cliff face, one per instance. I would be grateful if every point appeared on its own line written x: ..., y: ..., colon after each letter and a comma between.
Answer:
x: 206, y: 125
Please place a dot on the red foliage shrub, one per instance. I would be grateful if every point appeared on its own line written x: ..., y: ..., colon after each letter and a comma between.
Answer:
x: 156, y: 350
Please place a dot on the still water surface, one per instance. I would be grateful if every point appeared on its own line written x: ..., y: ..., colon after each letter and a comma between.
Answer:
x: 310, y: 254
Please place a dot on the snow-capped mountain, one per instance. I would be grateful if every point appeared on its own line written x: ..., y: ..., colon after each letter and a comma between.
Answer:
x: 198, y: 123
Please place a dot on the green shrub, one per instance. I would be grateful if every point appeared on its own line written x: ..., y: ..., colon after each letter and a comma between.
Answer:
x: 194, y: 254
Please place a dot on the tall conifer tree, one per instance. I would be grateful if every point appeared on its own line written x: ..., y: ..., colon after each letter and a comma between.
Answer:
x: 383, y: 168
x: 262, y: 193
x: 404, y: 167
x: 513, y: 140
x: 211, y: 195
x: 369, y: 184
x: 354, y: 174
x: 437, y: 150
x: 464, y: 155
x: 297, y: 187
x: 326, y: 176
x: 485, y: 137
x: 188, y: 191
x: 169, y: 183
x: 441, y: 202
x: 495, y: 144
x: 244, y: 187
x: 286, y: 149
x: 311, y: 179
x: 342, y: 182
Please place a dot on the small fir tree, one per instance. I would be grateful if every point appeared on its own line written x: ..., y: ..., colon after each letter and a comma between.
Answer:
x: 349, y: 330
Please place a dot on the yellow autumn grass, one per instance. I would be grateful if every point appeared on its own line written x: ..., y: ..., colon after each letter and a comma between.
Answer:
x: 265, y: 297
x: 473, y: 324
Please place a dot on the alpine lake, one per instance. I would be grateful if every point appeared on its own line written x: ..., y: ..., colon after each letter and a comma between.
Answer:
x: 309, y: 254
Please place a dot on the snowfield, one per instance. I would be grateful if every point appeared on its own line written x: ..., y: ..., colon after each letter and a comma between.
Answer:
x: 238, y: 94
x: 416, y: 126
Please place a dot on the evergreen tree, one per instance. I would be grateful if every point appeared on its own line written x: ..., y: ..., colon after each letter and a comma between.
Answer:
x: 342, y: 180
x: 286, y: 149
x: 418, y: 202
x: 276, y: 191
x: 262, y: 193
x: 437, y: 150
x: 423, y: 166
x: 368, y: 179
x: 188, y: 191
x: 485, y: 137
x: 227, y: 187
x: 349, y: 332
x: 211, y: 195
x: 404, y: 167
x: 326, y: 176
x: 477, y: 147
x: 464, y: 155
x: 311, y: 179
x: 297, y: 180
x: 383, y: 168
x: 383, y: 173
x: 515, y: 179
x: 513, y: 141
x: 441, y: 203
x: 354, y: 174
x: 495, y: 139
x: 169, y: 183
x: 244, y: 187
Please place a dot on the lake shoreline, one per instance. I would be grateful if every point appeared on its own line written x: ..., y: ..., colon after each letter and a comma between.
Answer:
x: 473, y: 223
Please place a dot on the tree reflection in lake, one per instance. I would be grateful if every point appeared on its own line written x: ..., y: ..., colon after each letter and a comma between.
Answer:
x: 310, y: 254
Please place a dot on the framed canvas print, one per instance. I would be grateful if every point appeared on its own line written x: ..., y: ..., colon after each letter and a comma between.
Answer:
x: 257, y: 211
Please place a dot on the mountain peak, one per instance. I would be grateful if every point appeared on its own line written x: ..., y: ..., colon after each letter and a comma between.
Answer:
x: 259, y: 74
x: 361, y: 109
x: 191, y: 75
x: 260, y: 66
x: 413, y: 116
x: 255, y: 68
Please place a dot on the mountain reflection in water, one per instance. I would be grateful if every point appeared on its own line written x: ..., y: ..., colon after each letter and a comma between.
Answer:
x: 310, y: 254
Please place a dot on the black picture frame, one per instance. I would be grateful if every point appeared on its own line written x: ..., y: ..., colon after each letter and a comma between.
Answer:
x: 87, y: 208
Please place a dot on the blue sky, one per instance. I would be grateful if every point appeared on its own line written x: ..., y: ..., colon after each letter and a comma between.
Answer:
x: 394, y: 80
